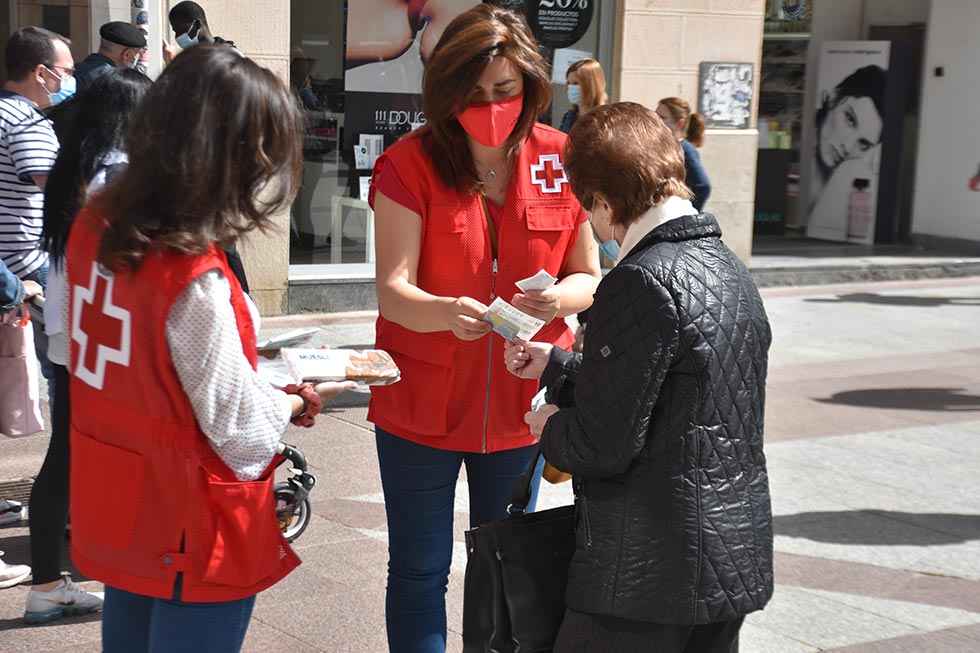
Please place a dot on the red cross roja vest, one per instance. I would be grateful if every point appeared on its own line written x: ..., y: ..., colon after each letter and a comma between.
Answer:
x: 149, y: 497
x: 458, y: 395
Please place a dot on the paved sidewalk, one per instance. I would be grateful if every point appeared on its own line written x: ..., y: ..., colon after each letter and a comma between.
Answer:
x: 873, y: 431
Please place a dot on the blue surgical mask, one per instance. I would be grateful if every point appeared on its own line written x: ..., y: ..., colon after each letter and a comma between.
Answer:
x: 610, y: 249
x: 68, y: 88
x: 574, y: 93
x: 185, y: 41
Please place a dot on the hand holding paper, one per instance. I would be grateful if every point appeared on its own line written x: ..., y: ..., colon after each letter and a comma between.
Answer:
x: 510, y: 323
x: 539, y: 297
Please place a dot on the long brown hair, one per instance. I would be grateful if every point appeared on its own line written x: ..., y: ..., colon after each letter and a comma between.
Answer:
x: 592, y: 81
x: 680, y: 111
x: 215, y: 149
x: 466, y: 48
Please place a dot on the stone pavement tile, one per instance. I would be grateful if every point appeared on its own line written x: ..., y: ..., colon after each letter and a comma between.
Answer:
x: 892, y: 363
x: 268, y: 638
x: 345, y: 622
x: 880, y: 582
x: 951, y: 640
x: 356, y: 416
x: 305, y: 580
x: 869, y: 402
x: 22, y: 457
x: 819, y: 619
x: 756, y: 639
x: 355, y: 564
x: 353, y: 513
x: 853, y: 472
x: 866, y: 329
x: 918, y: 615
x: 324, y: 531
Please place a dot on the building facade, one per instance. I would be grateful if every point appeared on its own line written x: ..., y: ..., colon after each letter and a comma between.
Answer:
x: 320, y: 257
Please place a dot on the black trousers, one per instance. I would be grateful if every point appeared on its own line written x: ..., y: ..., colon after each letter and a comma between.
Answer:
x: 49, y: 496
x: 586, y: 633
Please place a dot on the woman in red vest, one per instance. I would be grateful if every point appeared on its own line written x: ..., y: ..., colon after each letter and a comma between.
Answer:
x: 465, y: 207
x: 173, y: 433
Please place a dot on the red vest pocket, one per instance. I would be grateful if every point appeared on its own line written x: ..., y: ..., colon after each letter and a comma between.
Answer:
x: 550, y: 229
x: 247, y: 541
x: 549, y: 217
x: 106, y: 495
x: 421, y: 400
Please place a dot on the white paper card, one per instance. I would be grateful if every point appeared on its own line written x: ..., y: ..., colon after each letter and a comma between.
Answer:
x: 365, y: 187
x: 540, y: 281
x: 510, y: 323
x: 275, y: 372
x: 564, y: 58
x: 539, y: 400
x: 287, y: 339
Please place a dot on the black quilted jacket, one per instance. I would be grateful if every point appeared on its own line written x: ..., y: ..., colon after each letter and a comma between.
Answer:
x: 663, y: 434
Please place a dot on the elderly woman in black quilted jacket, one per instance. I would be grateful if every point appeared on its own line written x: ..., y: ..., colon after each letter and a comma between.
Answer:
x: 660, y: 419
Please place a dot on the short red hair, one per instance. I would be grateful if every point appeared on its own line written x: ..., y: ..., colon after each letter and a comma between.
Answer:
x: 625, y: 152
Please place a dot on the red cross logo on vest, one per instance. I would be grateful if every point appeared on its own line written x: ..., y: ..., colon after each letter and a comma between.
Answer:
x: 102, y: 330
x: 548, y: 173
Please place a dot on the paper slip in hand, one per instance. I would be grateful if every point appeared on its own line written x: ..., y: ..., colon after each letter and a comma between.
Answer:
x: 539, y: 400
x: 540, y: 281
x: 510, y: 323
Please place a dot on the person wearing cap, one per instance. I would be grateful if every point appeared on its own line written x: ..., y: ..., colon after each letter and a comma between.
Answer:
x: 122, y: 44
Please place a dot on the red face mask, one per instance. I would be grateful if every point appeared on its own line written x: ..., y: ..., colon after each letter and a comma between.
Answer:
x: 491, y: 123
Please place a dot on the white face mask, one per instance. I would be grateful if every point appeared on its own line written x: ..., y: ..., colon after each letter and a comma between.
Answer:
x: 184, y: 41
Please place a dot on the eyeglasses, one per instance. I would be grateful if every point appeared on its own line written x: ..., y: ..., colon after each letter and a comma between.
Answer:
x: 67, y: 71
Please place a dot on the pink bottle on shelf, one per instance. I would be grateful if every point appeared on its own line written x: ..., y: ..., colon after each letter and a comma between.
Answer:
x: 859, y: 210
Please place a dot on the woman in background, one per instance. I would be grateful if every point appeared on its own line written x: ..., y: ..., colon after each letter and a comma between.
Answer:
x: 586, y: 90
x: 91, y: 135
x: 688, y: 128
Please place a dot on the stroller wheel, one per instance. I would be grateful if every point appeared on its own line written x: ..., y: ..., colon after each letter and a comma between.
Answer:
x: 293, y: 517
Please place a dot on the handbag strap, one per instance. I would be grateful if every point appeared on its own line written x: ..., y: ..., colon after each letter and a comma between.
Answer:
x: 521, y: 496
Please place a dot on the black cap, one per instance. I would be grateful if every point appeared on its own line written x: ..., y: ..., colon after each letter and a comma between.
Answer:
x: 124, y: 34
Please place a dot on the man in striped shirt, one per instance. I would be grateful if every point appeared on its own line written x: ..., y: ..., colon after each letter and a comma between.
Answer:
x: 40, y: 73
x: 39, y: 64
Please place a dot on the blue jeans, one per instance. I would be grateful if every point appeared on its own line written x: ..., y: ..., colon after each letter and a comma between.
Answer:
x: 132, y: 623
x: 419, y: 485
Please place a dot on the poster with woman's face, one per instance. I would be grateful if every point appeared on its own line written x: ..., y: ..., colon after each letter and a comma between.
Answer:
x: 388, y: 41
x: 849, y: 125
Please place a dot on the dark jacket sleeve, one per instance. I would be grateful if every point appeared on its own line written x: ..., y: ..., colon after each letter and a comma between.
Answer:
x: 11, y: 289
x: 697, y: 176
x: 559, y: 377
x: 633, y: 336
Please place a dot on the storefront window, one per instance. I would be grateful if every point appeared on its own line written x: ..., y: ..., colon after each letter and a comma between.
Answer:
x: 356, y: 68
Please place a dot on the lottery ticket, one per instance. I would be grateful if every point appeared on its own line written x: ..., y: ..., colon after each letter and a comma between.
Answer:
x: 510, y: 323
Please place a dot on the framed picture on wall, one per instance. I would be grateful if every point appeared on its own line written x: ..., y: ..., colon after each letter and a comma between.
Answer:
x: 725, y: 94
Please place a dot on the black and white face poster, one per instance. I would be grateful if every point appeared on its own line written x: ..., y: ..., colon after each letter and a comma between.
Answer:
x: 850, y: 121
x: 388, y: 43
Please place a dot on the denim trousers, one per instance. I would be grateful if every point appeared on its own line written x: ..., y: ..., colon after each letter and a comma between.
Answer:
x: 419, y: 485
x: 132, y: 623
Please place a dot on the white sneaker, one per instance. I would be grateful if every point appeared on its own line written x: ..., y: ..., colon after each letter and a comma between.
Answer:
x: 66, y: 600
x: 11, y: 575
x: 11, y: 512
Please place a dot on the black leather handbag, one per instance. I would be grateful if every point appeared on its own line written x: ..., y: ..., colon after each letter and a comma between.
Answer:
x: 516, y: 575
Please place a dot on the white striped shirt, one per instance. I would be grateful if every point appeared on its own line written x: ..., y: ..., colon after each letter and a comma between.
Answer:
x: 28, y: 148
